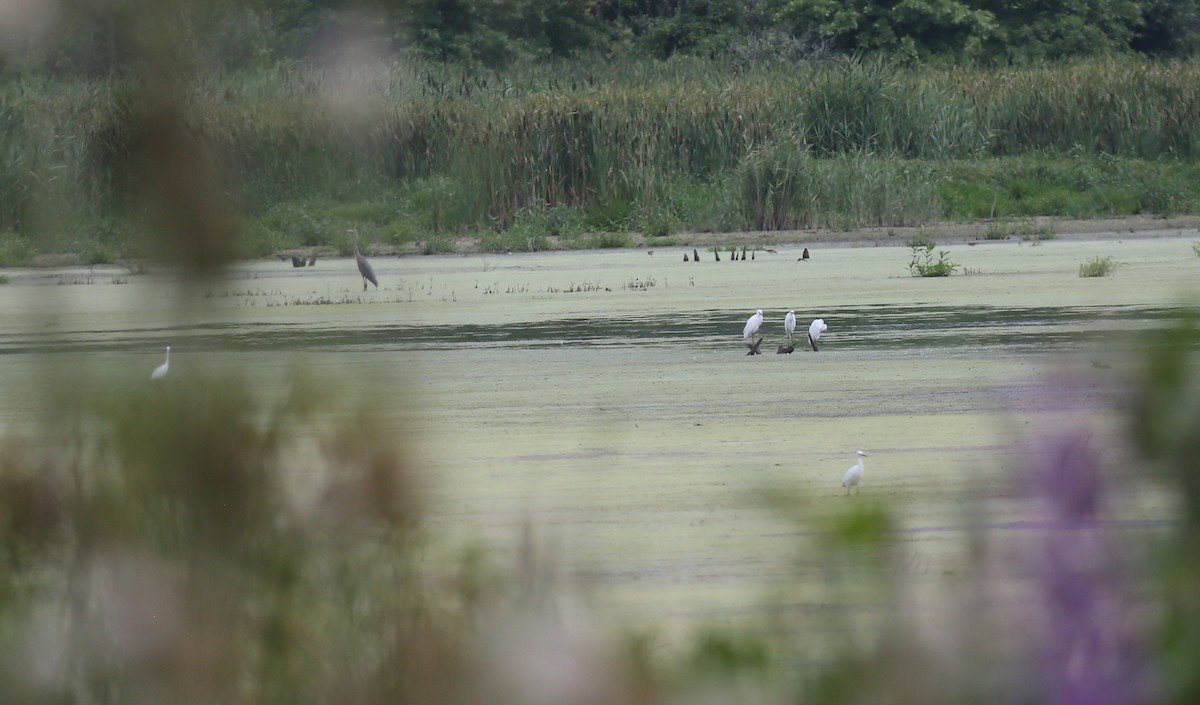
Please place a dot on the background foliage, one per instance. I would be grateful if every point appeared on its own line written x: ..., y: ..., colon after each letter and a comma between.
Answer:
x: 424, y: 121
x: 416, y: 152
x: 98, y: 38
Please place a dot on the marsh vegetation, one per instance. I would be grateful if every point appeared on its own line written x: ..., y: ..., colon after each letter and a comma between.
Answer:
x: 924, y: 264
x: 696, y: 145
x: 1098, y: 266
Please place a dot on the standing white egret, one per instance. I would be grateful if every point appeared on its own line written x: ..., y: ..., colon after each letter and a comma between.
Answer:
x: 789, y: 324
x: 161, y: 371
x: 364, y: 267
x: 815, y: 329
x: 752, y: 324
x: 854, y: 474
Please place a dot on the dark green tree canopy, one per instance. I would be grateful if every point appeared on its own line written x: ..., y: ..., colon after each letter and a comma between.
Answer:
x: 96, y: 38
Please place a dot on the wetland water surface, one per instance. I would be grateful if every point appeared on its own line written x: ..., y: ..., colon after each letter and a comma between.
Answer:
x: 975, y: 329
x: 604, y: 398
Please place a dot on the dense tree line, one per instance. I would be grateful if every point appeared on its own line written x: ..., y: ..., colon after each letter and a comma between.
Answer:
x: 99, y: 38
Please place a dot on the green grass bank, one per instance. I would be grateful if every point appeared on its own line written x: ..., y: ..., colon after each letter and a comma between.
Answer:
x: 580, y: 155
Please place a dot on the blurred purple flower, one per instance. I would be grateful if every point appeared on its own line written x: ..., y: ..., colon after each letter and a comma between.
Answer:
x: 1093, y: 653
x: 1065, y: 472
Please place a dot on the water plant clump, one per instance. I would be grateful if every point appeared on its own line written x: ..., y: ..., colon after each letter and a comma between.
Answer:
x: 1098, y: 267
x: 925, y: 264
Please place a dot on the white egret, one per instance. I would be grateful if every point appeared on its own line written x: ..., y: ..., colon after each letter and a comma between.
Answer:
x: 854, y: 474
x: 815, y: 329
x: 364, y: 267
x: 752, y: 324
x: 161, y: 371
x: 789, y: 324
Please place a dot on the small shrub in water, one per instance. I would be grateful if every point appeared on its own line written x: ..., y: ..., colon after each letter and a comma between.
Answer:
x: 1098, y: 267
x: 923, y: 263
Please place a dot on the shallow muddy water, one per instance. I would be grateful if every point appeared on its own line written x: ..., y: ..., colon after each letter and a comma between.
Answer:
x: 605, y: 398
x: 994, y: 329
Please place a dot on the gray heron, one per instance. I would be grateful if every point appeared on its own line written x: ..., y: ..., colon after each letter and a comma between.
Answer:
x: 364, y: 267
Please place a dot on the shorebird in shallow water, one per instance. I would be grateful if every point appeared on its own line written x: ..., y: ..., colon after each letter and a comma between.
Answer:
x: 815, y: 329
x: 855, y: 473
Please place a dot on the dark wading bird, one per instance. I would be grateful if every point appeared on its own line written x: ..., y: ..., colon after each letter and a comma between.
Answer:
x: 754, y: 347
x: 685, y: 257
x: 785, y: 349
x: 695, y: 255
x: 364, y: 267
x: 803, y: 255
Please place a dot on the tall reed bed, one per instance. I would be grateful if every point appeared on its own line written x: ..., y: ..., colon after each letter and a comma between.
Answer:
x: 47, y: 183
x: 452, y: 151
x: 629, y: 143
x: 785, y: 187
x: 1123, y: 107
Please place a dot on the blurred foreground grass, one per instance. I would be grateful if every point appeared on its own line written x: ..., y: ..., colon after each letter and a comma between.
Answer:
x: 156, y: 549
